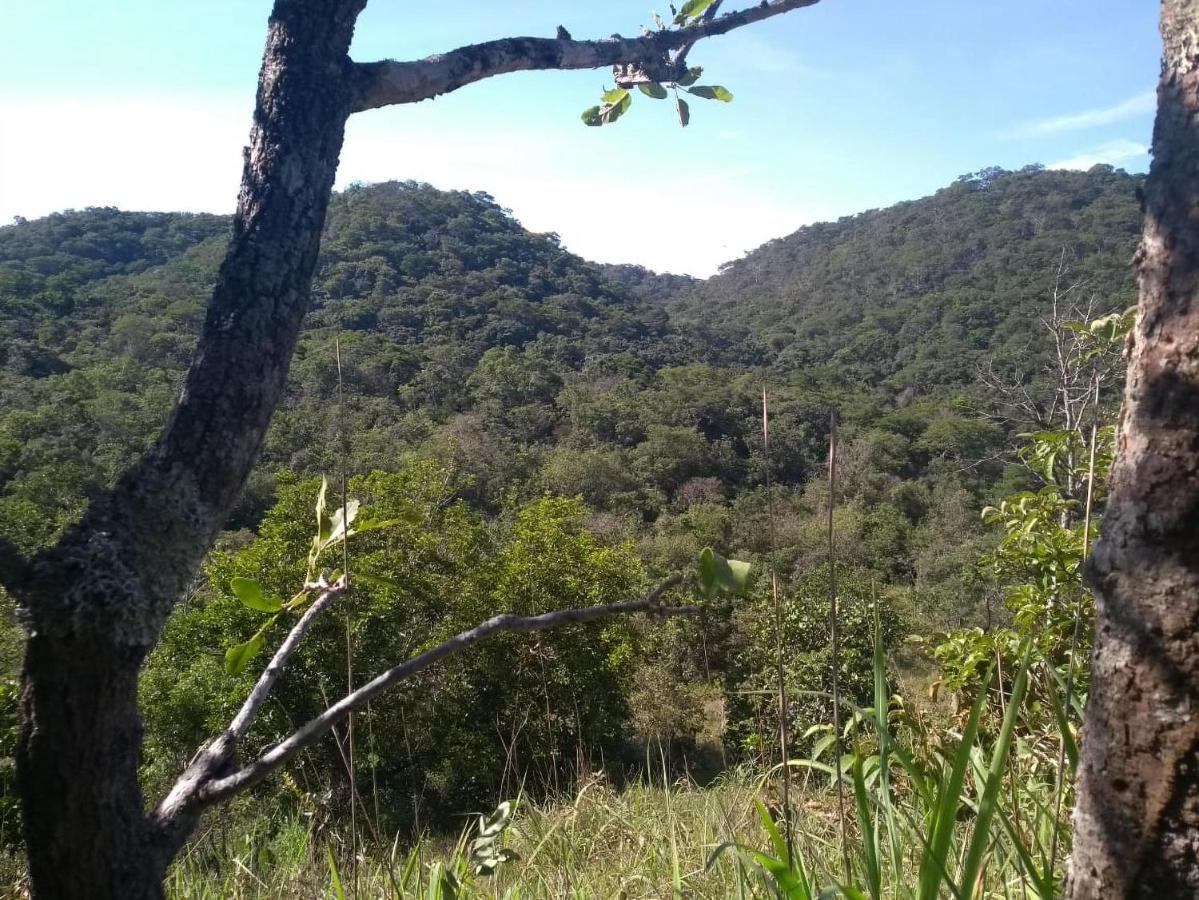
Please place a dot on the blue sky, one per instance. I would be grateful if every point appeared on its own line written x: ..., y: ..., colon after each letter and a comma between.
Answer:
x: 841, y: 107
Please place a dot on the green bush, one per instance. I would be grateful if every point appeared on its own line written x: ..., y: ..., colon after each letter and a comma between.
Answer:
x: 515, y: 710
x: 807, y: 642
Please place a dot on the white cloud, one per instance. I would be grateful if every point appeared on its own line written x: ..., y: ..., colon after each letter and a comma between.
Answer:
x: 1140, y: 104
x: 1113, y: 153
x: 155, y: 154
x: 602, y: 207
x: 592, y: 189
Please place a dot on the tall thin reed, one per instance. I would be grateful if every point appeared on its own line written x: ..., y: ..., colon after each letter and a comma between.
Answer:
x: 784, y: 716
x: 1060, y: 787
x: 836, y: 640
x: 343, y: 455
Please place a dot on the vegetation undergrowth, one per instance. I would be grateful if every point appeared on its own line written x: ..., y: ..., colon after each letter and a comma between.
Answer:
x: 964, y: 813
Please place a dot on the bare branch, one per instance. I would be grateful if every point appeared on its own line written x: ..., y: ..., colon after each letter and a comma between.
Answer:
x: 266, y: 681
x: 217, y: 755
x: 212, y: 785
x: 679, y: 58
x: 389, y: 82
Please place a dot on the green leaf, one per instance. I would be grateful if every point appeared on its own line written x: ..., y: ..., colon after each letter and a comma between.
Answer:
x: 611, y: 113
x: 377, y: 524
x: 377, y: 581
x: 736, y: 576
x: 988, y: 802
x: 337, y: 530
x: 591, y: 116
x: 711, y: 92
x: 772, y: 831
x: 249, y: 592
x: 614, y: 96
x: 653, y: 89
x: 691, y: 77
x: 323, y: 523
x: 719, y: 574
x: 238, y: 656
x: 684, y: 111
x: 692, y: 9
x: 335, y: 885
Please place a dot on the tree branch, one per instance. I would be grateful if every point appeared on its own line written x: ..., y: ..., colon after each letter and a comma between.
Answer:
x: 216, y: 786
x: 266, y: 681
x: 217, y: 755
x: 389, y: 82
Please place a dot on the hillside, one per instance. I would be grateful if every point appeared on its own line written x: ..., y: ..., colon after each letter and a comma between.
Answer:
x: 462, y: 329
x: 914, y: 296
x: 488, y: 375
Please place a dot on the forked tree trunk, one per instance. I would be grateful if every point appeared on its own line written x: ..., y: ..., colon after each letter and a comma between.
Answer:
x: 96, y: 603
x: 1137, y: 817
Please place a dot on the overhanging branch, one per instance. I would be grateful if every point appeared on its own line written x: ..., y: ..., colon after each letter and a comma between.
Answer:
x: 389, y: 82
x: 215, y: 786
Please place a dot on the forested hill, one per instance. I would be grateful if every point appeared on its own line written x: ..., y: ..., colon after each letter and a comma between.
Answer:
x: 466, y: 336
x: 485, y: 368
x: 913, y: 296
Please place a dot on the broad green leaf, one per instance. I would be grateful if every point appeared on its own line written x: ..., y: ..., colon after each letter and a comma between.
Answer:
x: 249, y: 592
x: 684, y: 112
x: 737, y: 575
x: 988, y: 803
x: 238, y: 656
x: 337, y: 529
x: 614, y: 96
x: 937, y: 858
x: 691, y: 77
x: 653, y: 89
x: 772, y: 831
x: 719, y: 574
x: 711, y: 92
x: 591, y: 116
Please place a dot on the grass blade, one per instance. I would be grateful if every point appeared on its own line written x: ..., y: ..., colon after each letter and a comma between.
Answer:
x: 988, y: 803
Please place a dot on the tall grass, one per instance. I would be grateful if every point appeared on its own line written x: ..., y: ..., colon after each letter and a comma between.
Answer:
x: 965, y: 813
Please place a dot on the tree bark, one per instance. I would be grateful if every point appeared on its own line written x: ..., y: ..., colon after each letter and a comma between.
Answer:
x: 96, y: 603
x: 1137, y: 818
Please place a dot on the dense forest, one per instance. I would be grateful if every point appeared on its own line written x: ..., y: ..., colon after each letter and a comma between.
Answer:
x: 545, y: 431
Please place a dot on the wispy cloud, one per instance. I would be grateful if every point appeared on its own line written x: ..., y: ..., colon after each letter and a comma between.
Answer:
x: 1113, y: 153
x: 1137, y: 105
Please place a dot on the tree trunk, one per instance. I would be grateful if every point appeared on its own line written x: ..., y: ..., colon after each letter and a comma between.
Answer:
x: 1137, y: 818
x: 95, y: 604
x: 86, y: 833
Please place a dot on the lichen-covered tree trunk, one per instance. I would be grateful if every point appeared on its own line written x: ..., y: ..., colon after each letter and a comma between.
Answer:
x: 95, y: 604
x: 1137, y: 817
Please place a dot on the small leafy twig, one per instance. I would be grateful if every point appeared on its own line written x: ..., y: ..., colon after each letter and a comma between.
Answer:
x: 616, y: 101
